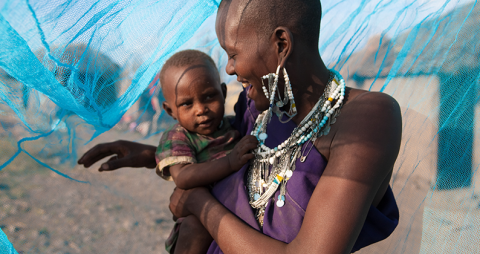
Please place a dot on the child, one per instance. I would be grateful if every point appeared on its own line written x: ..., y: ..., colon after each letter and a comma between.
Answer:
x: 201, y: 148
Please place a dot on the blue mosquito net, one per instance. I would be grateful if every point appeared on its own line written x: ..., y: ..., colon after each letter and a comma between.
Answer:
x: 75, y: 73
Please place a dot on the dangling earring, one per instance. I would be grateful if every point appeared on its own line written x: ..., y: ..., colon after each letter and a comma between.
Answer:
x: 270, y: 78
x: 288, y: 95
x: 292, y: 112
x: 272, y: 84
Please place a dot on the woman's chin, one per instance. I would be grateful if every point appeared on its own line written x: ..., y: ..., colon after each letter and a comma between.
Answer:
x: 261, y: 102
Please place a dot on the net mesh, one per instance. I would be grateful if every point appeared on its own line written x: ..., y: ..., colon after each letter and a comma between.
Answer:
x: 77, y: 73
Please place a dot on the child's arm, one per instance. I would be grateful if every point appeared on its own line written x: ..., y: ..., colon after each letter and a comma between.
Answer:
x: 187, y: 176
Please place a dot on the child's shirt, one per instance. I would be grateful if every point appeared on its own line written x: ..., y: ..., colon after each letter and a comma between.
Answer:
x: 179, y: 146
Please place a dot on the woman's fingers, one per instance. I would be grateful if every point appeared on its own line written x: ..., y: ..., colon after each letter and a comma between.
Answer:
x: 115, y: 162
x: 97, y: 153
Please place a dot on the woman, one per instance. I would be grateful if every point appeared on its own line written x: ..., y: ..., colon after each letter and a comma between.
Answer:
x: 350, y: 205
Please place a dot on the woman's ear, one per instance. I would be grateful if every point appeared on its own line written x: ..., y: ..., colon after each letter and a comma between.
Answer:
x: 284, y: 42
x: 168, y: 109
x: 224, y: 90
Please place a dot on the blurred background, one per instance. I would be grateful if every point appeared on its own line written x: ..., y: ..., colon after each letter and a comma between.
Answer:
x: 77, y: 73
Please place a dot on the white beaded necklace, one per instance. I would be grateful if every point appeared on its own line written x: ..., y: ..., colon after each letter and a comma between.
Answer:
x: 273, y: 167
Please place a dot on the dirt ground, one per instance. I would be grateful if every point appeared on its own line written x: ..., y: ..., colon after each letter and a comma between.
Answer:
x: 125, y: 211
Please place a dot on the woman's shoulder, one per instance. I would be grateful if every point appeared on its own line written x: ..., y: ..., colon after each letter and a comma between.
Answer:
x: 370, y: 122
x: 365, y: 110
x: 359, y: 99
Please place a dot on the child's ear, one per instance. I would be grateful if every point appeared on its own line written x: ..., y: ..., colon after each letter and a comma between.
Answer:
x: 224, y: 90
x: 168, y: 109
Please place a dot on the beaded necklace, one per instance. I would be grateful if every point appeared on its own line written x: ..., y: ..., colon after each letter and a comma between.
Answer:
x: 273, y: 167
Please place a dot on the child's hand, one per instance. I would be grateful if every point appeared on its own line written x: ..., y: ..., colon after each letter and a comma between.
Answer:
x: 241, y: 153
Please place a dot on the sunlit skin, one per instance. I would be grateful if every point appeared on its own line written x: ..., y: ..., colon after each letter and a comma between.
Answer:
x: 361, y: 147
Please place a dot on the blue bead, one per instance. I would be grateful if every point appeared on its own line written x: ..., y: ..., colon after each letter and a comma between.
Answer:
x: 256, y: 196
x: 275, y: 149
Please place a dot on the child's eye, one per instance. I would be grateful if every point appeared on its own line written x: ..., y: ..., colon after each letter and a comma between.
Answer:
x: 210, y: 96
x: 231, y: 56
x: 186, y: 104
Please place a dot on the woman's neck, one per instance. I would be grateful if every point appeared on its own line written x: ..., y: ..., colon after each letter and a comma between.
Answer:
x: 309, y: 77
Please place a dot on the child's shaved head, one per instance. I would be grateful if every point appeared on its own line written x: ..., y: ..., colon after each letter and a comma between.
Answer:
x: 302, y: 17
x: 185, y: 58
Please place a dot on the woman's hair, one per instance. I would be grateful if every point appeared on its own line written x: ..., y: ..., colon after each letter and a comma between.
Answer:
x: 185, y: 58
x: 302, y: 17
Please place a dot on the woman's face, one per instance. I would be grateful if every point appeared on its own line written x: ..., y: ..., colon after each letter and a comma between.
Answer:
x: 250, y: 56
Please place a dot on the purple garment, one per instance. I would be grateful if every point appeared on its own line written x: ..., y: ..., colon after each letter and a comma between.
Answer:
x: 284, y: 223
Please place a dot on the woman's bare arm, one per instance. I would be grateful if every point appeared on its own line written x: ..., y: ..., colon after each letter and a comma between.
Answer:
x: 362, y: 154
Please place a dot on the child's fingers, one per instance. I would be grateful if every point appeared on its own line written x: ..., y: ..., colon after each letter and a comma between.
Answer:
x: 247, y: 147
x: 247, y: 157
x: 249, y: 139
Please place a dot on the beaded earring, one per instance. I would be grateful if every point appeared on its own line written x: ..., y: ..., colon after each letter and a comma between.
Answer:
x: 275, y: 103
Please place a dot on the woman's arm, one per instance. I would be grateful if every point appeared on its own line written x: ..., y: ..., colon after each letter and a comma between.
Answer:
x: 362, y: 154
x: 200, y: 174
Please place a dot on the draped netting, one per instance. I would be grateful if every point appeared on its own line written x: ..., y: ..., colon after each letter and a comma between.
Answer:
x: 76, y: 73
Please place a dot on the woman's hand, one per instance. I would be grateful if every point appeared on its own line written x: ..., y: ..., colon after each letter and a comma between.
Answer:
x: 128, y: 154
x: 182, y: 201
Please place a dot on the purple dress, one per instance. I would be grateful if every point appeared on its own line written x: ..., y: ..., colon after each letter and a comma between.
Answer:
x: 284, y: 223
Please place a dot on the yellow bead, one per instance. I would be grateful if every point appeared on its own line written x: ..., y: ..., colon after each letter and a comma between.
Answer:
x: 279, y: 178
x: 330, y: 99
x: 293, y: 105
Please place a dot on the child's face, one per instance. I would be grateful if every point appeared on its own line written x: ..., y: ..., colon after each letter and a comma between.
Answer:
x: 250, y: 56
x: 195, y: 97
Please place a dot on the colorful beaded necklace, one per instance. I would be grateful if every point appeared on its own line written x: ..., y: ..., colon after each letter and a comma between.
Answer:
x: 273, y: 167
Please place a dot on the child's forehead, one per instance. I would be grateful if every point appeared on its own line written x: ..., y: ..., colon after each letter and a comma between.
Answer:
x: 197, y: 68
x: 177, y: 75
